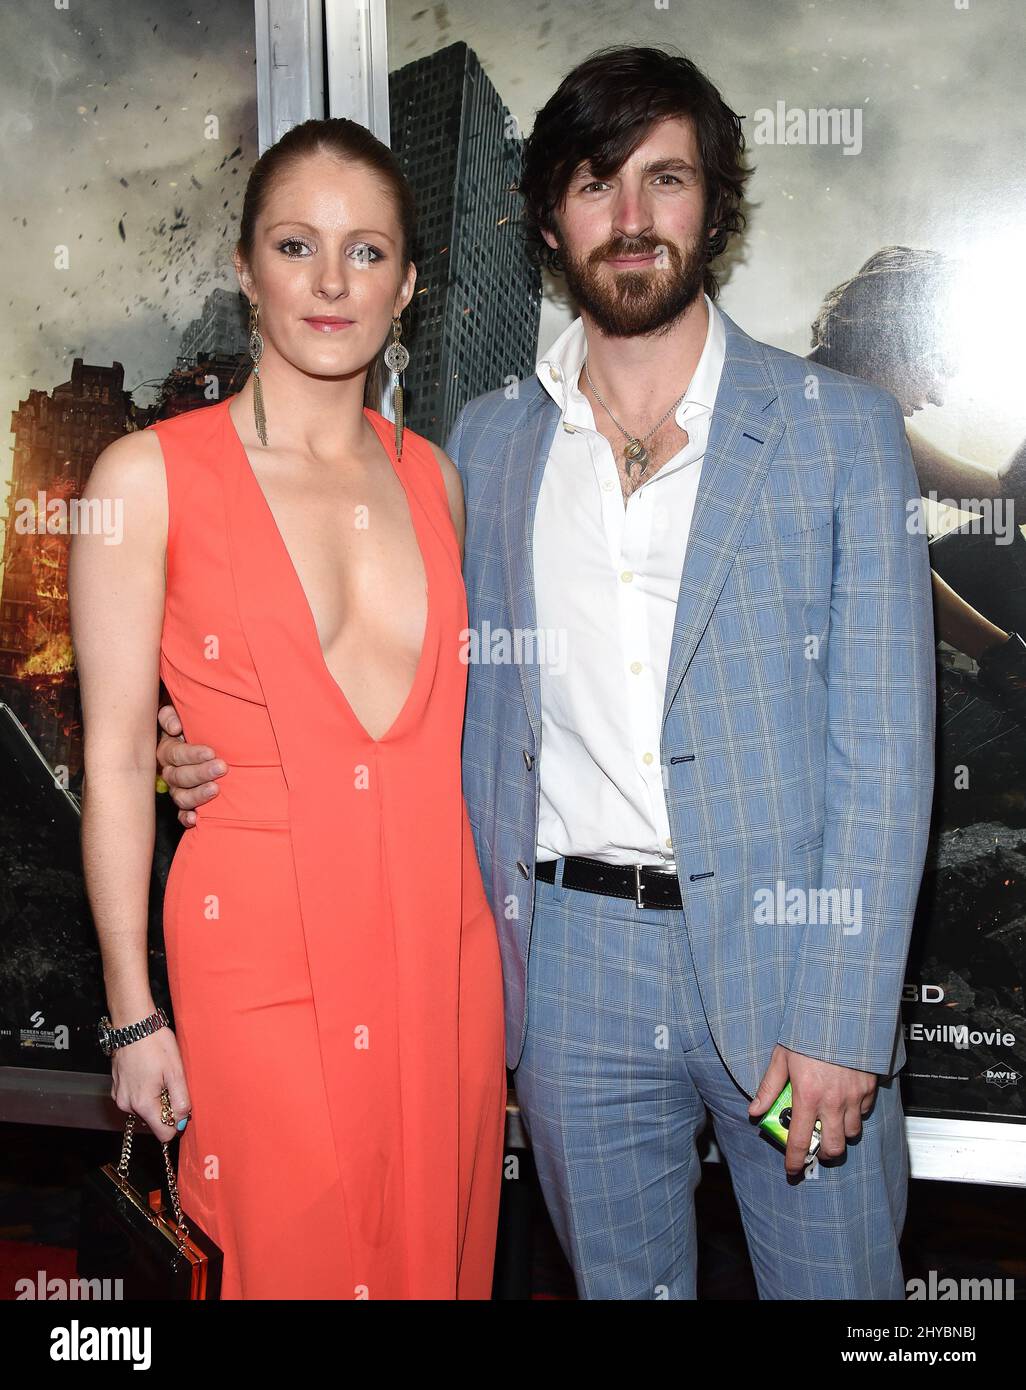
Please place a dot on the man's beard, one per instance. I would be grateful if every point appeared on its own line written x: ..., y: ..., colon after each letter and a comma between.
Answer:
x: 628, y: 303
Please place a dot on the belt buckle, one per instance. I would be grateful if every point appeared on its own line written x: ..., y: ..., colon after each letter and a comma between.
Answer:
x: 637, y: 886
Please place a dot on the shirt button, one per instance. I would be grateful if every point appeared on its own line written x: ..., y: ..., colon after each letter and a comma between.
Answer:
x: 627, y: 576
x: 553, y: 374
x: 523, y: 868
x: 636, y: 667
x: 608, y: 485
x: 569, y: 428
x: 528, y: 759
x: 647, y: 758
x: 669, y: 844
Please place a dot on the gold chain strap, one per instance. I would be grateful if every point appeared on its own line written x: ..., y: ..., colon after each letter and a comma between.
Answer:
x: 167, y: 1116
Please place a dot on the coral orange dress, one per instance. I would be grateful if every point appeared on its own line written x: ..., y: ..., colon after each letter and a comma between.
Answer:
x: 332, y: 959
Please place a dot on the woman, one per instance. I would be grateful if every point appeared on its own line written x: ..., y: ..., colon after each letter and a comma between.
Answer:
x: 890, y: 323
x: 333, y: 964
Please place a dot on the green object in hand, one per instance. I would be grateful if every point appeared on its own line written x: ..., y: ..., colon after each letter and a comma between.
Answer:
x: 777, y: 1122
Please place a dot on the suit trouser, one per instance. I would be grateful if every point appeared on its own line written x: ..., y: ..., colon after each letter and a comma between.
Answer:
x: 617, y: 1071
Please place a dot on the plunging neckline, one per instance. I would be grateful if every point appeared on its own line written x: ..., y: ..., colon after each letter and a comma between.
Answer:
x: 389, y: 451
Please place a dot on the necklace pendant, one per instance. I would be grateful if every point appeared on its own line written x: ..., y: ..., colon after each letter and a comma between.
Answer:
x: 635, y: 452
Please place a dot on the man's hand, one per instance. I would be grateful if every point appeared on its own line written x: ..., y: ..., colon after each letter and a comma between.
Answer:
x: 189, y: 769
x: 836, y: 1096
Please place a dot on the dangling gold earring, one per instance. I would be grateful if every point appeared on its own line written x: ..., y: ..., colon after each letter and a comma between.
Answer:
x: 398, y: 358
x: 256, y: 351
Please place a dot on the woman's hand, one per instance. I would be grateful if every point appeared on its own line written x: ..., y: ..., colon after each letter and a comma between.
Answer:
x: 140, y: 1070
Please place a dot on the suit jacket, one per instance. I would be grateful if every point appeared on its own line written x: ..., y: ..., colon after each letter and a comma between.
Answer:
x: 797, y: 741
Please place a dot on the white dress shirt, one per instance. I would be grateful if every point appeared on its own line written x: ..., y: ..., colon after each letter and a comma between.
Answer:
x: 607, y: 577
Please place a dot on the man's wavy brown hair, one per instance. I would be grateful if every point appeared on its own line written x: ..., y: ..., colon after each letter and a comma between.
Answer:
x: 602, y: 111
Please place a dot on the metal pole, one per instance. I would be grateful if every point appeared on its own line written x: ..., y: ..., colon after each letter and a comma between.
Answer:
x: 290, y: 65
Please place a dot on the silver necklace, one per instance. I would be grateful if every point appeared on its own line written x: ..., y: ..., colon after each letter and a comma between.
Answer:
x: 634, y: 450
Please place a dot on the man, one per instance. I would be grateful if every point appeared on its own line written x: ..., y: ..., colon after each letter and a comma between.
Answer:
x: 708, y: 546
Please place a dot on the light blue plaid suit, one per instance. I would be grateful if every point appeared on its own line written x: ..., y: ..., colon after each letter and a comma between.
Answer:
x: 797, y: 738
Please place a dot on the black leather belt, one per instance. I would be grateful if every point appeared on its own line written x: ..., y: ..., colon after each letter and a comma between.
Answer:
x: 647, y: 887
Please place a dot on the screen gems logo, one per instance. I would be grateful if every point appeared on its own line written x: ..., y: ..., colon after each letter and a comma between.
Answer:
x: 57, y: 1038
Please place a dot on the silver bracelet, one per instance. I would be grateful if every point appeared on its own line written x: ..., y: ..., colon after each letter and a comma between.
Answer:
x: 112, y: 1038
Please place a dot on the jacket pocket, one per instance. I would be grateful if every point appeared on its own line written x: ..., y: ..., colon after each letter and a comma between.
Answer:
x: 781, y: 525
x: 809, y: 840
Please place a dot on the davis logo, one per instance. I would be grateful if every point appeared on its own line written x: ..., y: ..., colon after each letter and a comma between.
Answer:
x: 1001, y: 1075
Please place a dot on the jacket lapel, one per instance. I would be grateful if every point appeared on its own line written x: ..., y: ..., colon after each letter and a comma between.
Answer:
x: 744, y: 435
